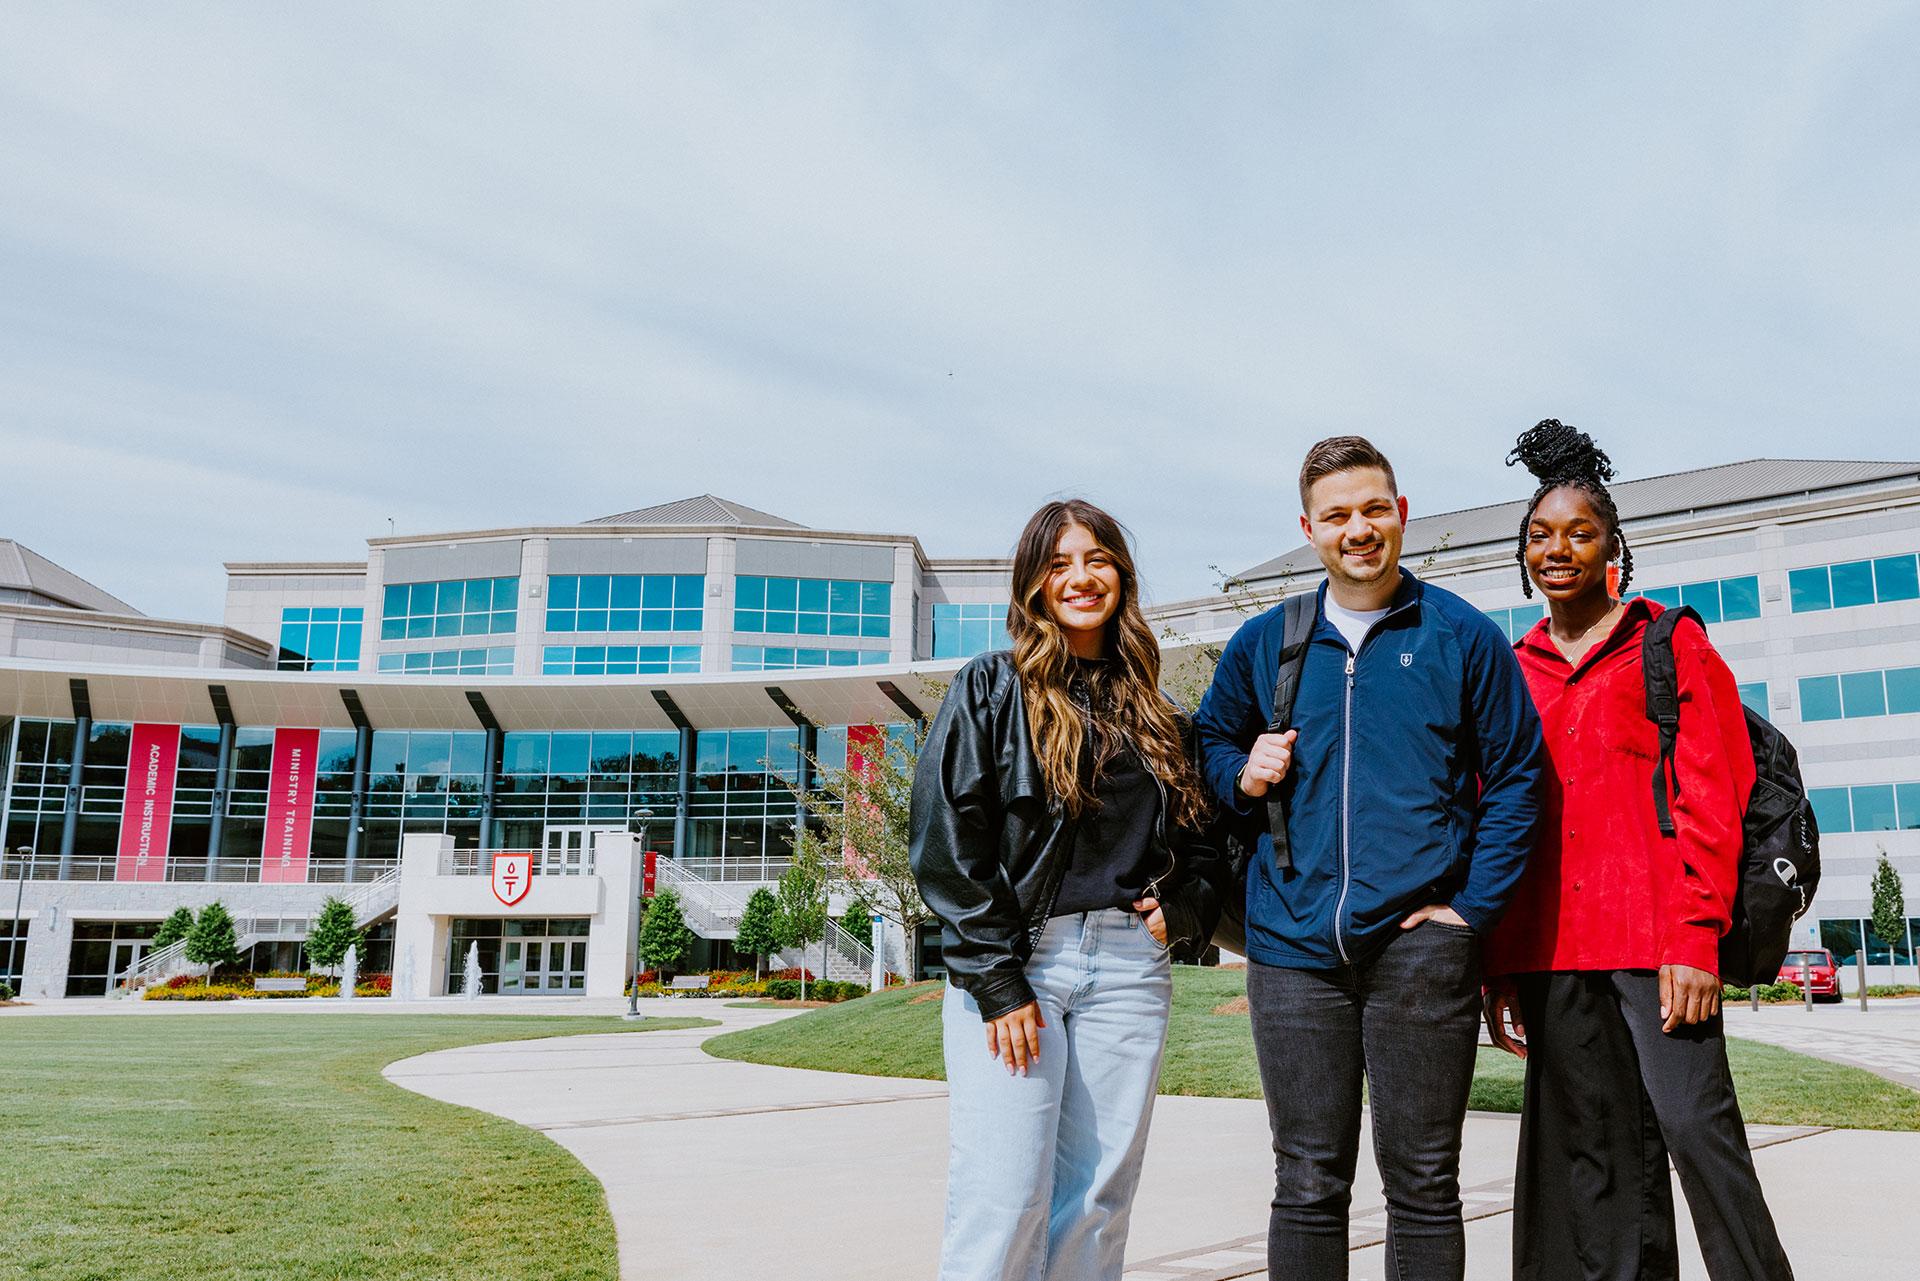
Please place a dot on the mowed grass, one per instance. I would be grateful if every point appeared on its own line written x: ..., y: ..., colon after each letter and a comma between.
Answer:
x: 897, y: 1033
x: 269, y: 1146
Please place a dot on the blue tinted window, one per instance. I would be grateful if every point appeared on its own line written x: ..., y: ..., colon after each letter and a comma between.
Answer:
x: 1754, y: 696
x: 1863, y: 694
x: 1873, y: 809
x: 1896, y: 578
x: 319, y: 639
x: 1668, y: 596
x: 1852, y: 584
x: 569, y: 754
x: 1903, y: 690
x: 625, y: 603
x: 1819, y: 698
x: 1809, y: 589
x: 563, y: 591
x: 961, y: 631
x: 524, y: 753
x: 1704, y: 597
x: 1908, y: 795
x: 1739, y: 598
x: 1830, y: 809
x: 456, y: 607
x: 811, y: 607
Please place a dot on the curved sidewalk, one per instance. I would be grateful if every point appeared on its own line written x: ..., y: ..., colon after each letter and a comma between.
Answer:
x: 715, y: 1168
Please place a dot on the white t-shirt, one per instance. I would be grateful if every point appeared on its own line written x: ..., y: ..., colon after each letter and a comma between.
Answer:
x: 1353, y: 623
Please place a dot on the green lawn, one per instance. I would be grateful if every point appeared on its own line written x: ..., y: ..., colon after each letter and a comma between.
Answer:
x: 897, y: 1033
x: 269, y: 1146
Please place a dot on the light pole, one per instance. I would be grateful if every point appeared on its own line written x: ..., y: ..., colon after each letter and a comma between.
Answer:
x: 638, y: 823
x: 17, y: 946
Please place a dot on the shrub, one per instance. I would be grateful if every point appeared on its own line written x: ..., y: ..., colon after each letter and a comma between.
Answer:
x: 792, y: 972
x: 783, y: 989
x: 1728, y: 992
x: 1774, y: 993
x: 6, y: 991
x: 1894, y: 989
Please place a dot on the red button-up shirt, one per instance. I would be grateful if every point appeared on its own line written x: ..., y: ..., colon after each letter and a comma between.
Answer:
x: 1604, y: 890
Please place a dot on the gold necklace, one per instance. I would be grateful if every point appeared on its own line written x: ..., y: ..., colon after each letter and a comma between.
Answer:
x: 1595, y: 623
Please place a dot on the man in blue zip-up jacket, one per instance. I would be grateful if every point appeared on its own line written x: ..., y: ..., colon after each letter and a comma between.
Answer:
x: 1408, y: 775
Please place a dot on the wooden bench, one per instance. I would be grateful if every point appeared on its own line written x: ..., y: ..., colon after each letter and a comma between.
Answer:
x: 279, y: 985
x: 690, y: 983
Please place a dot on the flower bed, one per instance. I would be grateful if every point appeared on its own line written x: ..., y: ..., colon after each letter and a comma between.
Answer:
x: 783, y: 985
x: 239, y: 987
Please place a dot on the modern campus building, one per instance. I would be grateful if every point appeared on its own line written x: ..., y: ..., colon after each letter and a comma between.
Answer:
x: 670, y: 672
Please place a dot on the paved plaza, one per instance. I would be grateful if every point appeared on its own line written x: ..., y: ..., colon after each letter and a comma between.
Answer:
x: 716, y: 1168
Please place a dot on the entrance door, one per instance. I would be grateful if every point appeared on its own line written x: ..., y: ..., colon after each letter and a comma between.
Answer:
x: 529, y: 965
x: 126, y: 955
x: 557, y: 965
x: 569, y: 851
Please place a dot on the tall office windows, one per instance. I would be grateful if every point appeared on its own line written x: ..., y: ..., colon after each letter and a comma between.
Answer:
x: 961, y: 631
x: 1893, y: 691
x: 619, y: 660
x: 599, y: 779
x: 457, y: 607
x: 1754, y: 696
x: 770, y: 658
x: 320, y: 639
x: 811, y: 606
x: 625, y: 602
x: 1518, y: 621
x: 497, y: 661
x: 1871, y: 807
x: 1854, y: 582
x: 1843, y: 938
x: 1718, y: 600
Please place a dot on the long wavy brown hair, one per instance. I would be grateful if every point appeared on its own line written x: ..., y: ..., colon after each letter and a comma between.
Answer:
x: 1128, y: 706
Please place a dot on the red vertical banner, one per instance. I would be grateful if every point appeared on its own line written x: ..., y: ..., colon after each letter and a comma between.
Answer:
x: 649, y: 874
x: 146, y: 816
x: 289, y: 835
x: 866, y: 744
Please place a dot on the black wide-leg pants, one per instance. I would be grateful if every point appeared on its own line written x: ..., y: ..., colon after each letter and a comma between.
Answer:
x: 1609, y: 1097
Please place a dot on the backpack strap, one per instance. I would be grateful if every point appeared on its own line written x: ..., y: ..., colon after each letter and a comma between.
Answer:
x: 1297, y: 620
x: 1663, y: 704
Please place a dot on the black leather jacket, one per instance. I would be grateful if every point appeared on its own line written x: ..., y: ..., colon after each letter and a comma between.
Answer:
x: 989, y: 847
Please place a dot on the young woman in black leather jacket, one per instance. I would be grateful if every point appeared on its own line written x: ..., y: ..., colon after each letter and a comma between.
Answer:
x: 1060, y: 834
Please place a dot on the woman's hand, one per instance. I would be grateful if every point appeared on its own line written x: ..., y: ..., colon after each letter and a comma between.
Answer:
x: 1687, y: 995
x: 1156, y: 919
x: 1018, y: 1032
x: 1504, y: 1027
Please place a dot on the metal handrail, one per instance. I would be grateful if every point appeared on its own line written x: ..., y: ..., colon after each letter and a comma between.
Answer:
x: 478, y: 862
x: 722, y: 909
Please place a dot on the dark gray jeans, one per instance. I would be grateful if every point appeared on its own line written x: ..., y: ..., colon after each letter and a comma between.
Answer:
x: 1406, y: 1022
x: 1609, y: 1097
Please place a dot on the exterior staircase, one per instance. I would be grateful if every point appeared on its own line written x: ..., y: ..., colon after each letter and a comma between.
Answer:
x: 371, y: 903
x: 713, y: 911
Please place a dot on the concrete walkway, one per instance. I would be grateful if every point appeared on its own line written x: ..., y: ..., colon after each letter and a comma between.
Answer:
x: 716, y: 1168
x: 1885, y: 1038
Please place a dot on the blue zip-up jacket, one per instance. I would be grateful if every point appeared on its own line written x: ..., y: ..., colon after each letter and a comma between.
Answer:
x: 1413, y: 779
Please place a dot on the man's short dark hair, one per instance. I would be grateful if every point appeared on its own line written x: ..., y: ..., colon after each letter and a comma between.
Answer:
x: 1341, y: 453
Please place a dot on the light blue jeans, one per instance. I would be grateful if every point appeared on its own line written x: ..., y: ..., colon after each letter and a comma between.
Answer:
x: 1042, y: 1168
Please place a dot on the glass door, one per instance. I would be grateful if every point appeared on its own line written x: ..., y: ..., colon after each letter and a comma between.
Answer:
x: 126, y: 955
x: 544, y: 965
x: 567, y: 851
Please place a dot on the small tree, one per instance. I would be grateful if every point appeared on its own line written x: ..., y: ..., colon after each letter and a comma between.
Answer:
x: 800, y: 906
x: 665, y: 939
x: 211, y: 941
x: 332, y: 934
x: 174, y: 928
x: 857, y: 921
x: 756, y: 937
x: 1889, y: 903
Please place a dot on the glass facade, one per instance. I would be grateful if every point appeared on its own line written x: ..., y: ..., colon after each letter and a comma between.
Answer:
x: 1893, y: 691
x: 1842, y: 938
x: 13, y: 951
x: 319, y: 639
x: 961, y: 631
x: 574, y: 779
x: 770, y: 658
x: 812, y: 606
x: 103, y: 951
x: 1718, y: 600
x: 1872, y: 807
x: 454, y: 607
x: 1518, y: 621
x: 619, y: 660
x: 1753, y: 695
x: 1854, y: 582
x: 496, y: 661
x: 626, y: 602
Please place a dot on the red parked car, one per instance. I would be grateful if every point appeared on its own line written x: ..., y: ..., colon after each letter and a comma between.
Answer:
x: 1822, y: 972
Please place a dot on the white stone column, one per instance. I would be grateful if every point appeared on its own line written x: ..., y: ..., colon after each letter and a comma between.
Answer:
x: 614, y: 929
x: 530, y: 636
x: 419, y: 938
x: 716, y: 632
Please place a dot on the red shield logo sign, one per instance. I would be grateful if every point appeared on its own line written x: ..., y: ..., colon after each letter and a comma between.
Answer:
x: 512, y: 877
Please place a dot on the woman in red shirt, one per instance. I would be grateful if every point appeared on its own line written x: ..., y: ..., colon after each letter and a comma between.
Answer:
x: 1603, y: 974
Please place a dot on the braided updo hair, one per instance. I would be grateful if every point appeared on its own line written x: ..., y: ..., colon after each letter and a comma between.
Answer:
x: 1559, y: 455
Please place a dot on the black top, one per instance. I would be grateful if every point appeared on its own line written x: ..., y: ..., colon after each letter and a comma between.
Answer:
x: 1116, y: 843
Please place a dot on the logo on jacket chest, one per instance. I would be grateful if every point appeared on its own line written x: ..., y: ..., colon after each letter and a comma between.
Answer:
x: 1406, y: 660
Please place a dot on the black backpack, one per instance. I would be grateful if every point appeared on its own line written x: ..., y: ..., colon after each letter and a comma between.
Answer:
x: 1299, y: 615
x: 1780, y: 855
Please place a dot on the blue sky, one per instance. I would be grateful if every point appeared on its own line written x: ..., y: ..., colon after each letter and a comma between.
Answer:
x: 275, y: 275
